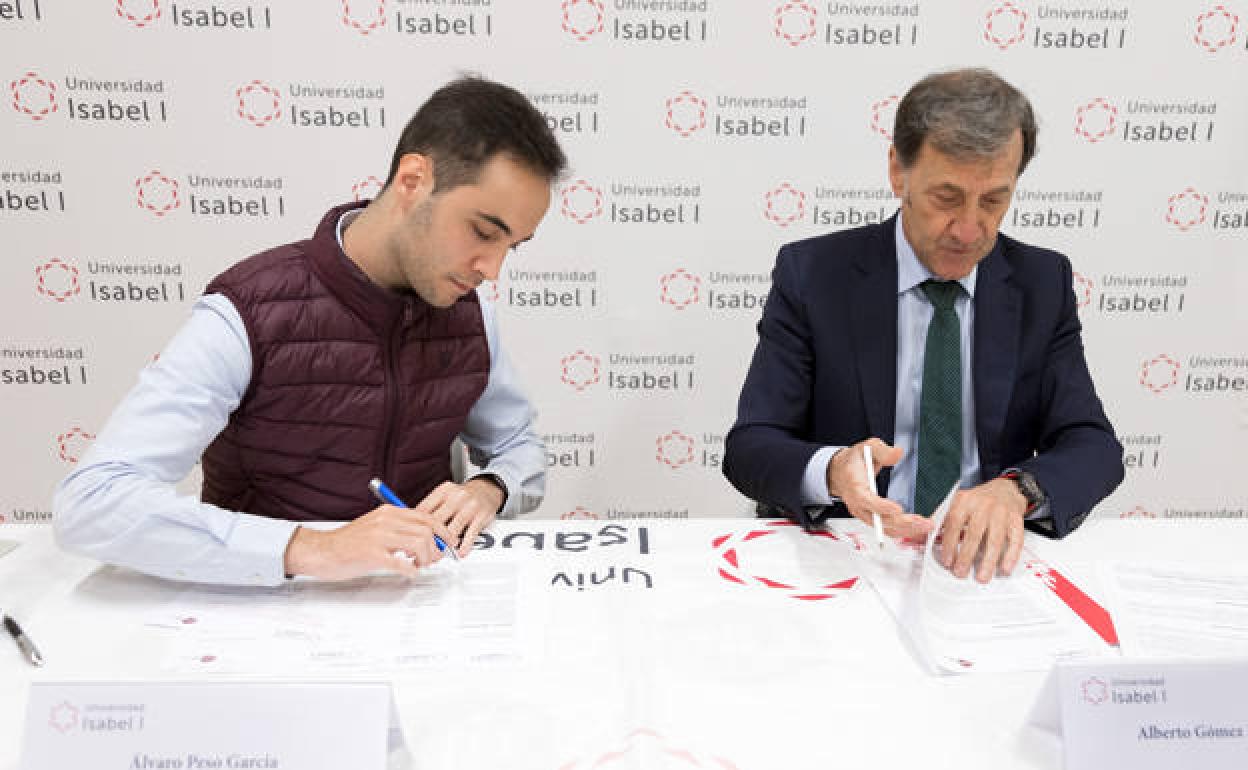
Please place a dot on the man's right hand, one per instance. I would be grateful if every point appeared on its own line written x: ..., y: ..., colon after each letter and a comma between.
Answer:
x: 847, y: 479
x: 376, y: 541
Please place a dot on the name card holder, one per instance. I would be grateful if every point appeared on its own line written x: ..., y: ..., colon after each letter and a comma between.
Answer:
x: 213, y: 726
x: 1150, y: 715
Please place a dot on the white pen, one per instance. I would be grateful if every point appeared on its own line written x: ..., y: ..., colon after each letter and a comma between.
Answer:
x: 875, y: 517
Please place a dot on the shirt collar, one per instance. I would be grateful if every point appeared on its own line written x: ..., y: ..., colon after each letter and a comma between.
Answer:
x: 344, y: 222
x: 911, y: 272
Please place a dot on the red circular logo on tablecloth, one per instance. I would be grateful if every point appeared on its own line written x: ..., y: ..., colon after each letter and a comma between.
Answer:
x: 733, y: 554
x: 580, y: 370
x: 680, y: 288
x: 686, y: 113
x: 581, y: 201
x: 140, y: 13
x: 1187, y: 209
x: 1159, y: 373
x: 157, y: 193
x: 57, y: 279
x: 368, y: 187
x: 1216, y: 29
x: 1083, y: 287
x: 33, y: 96
x: 71, y: 445
x: 364, y: 16
x: 883, y: 113
x: 582, y: 19
x: 578, y: 513
x: 646, y: 748
x: 784, y: 205
x: 258, y: 103
x: 1005, y: 25
x: 1096, y: 120
x: 796, y: 22
x: 674, y: 449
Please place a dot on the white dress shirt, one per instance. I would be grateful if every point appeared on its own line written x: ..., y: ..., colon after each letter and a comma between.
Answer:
x: 120, y: 504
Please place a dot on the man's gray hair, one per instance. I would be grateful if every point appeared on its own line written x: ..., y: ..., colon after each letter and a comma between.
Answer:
x: 969, y: 114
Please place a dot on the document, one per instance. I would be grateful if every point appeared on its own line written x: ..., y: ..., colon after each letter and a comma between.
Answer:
x: 1183, y: 611
x: 472, y: 613
x: 1018, y: 622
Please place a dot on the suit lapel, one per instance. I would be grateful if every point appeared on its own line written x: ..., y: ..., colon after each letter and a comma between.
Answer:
x: 873, y: 321
x: 998, y: 321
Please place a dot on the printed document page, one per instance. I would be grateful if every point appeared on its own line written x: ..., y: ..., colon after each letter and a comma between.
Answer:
x: 1183, y: 611
x: 1017, y: 622
x: 453, y: 614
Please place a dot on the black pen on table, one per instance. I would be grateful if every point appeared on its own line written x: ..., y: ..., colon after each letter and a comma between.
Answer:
x: 24, y: 644
x: 387, y: 495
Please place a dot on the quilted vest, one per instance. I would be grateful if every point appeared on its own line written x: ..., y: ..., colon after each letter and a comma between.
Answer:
x: 349, y: 381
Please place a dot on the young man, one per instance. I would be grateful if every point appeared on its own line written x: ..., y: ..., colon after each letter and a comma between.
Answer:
x: 309, y: 369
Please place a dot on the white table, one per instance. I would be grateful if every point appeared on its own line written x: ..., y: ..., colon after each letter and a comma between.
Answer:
x: 714, y: 675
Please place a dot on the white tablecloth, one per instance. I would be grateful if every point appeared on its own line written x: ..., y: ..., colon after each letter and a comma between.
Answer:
x: 695, y: 671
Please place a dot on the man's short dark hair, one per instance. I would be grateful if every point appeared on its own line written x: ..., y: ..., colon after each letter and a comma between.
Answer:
x: 968, y: 114
x: 468, y: 121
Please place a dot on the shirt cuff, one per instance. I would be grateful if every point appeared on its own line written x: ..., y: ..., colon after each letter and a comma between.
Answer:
x: 815, y: 480
x: 257, y: 545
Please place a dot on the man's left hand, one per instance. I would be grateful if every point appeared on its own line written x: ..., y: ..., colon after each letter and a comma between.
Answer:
x: 987, y: 521
x: 464, y: 509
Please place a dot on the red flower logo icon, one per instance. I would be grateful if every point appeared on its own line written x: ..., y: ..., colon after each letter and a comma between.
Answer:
x: 686, y: 113
x: 72, y: 445
x: 796, y: 22
x: 1083, y: 287
x: 1187, y: 209
x: 1005, y: 25
x: 140, y: 13
x: 368, y: 187
x: 1216, y: 29
x: 581, y: 201
x: 582, y: 19
x: 680, y: 288
x: 33, y: 96
x: 784, y: 205
x: 57, y: 279
x: 674, y: 449
x: 580, y: 370
x: 1160, y: 373
x: 1096, y: 120
x: 258, y: 103
x: 578, y: 513
x: 883, y: 113
x: 157, y: 193
x: 364, y: 17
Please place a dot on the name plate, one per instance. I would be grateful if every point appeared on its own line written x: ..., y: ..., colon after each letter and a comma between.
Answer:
x: 211, y: 725
x: 1154, y: 715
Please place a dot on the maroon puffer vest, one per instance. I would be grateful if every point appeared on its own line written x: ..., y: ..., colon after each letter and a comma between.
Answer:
x: 349, y: 381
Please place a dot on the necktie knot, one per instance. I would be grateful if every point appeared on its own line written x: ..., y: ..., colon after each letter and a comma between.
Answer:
x: 942, y: 294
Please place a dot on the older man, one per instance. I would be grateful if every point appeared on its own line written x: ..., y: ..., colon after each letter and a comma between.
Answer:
x: 952, y: 352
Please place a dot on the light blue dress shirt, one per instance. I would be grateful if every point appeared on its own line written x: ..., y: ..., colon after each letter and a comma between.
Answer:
x: 120, y: 505
x: 914, y: 313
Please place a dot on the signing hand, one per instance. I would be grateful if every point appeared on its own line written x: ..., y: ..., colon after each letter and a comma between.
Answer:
x: 847, y: 479
x: 367, y: 544
x: 464, y: 509
x: 987, y: 521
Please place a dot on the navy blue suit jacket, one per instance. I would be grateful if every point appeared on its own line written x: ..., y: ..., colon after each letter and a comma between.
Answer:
x: 825, y: 373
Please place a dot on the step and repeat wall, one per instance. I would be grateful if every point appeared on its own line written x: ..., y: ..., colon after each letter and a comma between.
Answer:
x: 148, y: 144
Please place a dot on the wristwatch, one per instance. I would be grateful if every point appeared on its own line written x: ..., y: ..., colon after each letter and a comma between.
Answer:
x: 1028, y: 486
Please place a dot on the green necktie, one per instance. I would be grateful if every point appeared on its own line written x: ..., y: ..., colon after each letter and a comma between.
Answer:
x: 940, y: 405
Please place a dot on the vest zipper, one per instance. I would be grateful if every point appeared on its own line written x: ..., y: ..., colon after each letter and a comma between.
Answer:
x: 390, y: 416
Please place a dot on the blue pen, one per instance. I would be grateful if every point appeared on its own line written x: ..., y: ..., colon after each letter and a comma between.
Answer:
x: 387, y: 495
